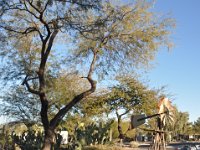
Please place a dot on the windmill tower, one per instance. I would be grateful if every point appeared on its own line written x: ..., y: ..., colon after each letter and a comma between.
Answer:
x: 165, y: 109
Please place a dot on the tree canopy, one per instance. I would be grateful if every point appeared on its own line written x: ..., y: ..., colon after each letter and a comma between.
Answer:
x: 196, y: 126
x: 129, y: 96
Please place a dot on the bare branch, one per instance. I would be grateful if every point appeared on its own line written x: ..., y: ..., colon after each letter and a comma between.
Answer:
x: 28, y: 86
x: 40, y: 34
x: 30, y: 11
x: 127, y: 111
x: 89, y: 5
x: 16, y: 7
x: 45, y: 7
x: 27, y: 31
x: 40, y: 18
x: 33, y: 6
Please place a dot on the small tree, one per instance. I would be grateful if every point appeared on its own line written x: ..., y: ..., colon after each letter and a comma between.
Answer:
x: 130, y: 96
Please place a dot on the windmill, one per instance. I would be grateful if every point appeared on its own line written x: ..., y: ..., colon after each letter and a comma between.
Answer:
x: 165, y: 109
x: 165, y: 114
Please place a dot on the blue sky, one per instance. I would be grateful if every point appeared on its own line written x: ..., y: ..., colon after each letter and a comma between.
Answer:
x: 179, y: 69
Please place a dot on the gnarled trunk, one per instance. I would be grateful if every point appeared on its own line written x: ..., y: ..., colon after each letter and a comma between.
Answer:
x: 49, y: 139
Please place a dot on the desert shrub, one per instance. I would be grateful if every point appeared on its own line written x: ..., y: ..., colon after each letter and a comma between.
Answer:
x: 134, y: 144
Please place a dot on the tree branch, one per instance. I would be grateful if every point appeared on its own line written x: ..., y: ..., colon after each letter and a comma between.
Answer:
x: 40, y: 18
x: 55, y: 32
x: 27, y: 31
x: 58, y: 117
x: 30, y: 11
x: 28, y: 86
x: 44, y: 56
x: 125, y: 112
x: 79, y: 3
x: 33, y: 6
x: 45, y: 7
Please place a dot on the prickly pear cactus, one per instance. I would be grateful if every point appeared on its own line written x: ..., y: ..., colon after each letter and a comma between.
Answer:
x: 94, y: 133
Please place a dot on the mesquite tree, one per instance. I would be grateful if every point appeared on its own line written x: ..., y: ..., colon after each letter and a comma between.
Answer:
x: 104, y: 38
x: 130, y: 96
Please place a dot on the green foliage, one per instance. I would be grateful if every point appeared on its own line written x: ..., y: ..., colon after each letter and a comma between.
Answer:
x: 63, y: 89
x: 33, y: 140
x: 130, y: 37
x: 125, y: 125
x: 115, y: 132
x: 89, y: 133
x: 181, y: 124
x: 131, y: 94
x: 196, y: 126
x: 28, y: 140
x: 94, y: 133
x: 95, y: 105
x: 5, y: 140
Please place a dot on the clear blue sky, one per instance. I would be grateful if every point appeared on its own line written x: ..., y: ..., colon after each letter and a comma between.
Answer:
x: 179, y: 69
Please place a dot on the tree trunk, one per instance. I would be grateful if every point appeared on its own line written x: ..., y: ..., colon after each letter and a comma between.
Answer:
x: 121, y: 135
x: 49, y: 139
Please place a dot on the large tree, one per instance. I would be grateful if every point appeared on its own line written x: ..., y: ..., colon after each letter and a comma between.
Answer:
x: 102, y: 37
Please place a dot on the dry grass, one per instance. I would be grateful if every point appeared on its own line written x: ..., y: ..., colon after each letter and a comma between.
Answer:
x: 103, y: 147
x: 134, y: 144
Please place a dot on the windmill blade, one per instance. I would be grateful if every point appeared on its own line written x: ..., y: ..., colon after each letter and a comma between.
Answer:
x: 165, y: 105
